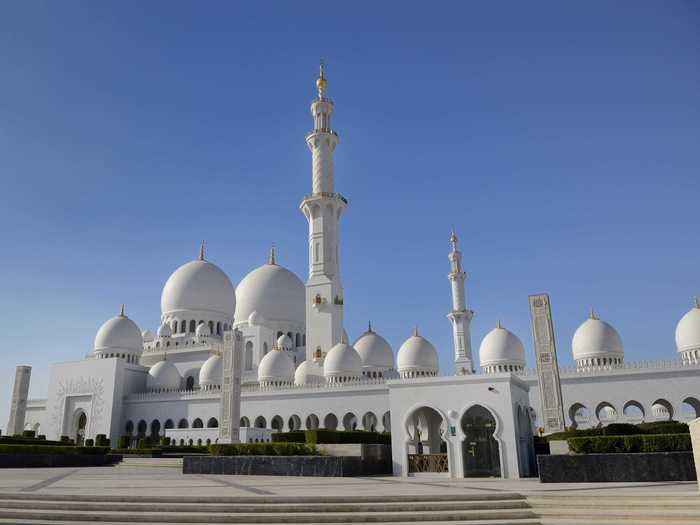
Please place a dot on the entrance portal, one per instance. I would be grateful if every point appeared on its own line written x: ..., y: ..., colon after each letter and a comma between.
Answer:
x: 426, y: 446
x: 480, y: 448
x: 80, y: 428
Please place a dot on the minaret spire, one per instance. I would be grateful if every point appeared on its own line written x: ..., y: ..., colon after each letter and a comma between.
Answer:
x: 271, y: 260
x: 323, y: 208
x: 201, y: 251
x: 460, y: 316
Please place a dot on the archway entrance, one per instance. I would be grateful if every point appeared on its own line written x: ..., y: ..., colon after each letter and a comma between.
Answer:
x: 479, y: 448
x: 426, y: 446
x: 80, y: 425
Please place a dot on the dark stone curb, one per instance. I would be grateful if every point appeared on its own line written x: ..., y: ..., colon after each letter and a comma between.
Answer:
x: 57, y: 460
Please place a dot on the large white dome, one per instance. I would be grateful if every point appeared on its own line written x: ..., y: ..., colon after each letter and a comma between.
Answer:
x: 342, y: 361
x: 273, y: 293
x: 596, y: 339
x: 164, y: 375
x: 308, y: 374
x: 212, y: 371
x: 119, y: 334
x: 374, y: 351
x: 688, y: 330
x: 199, y: 286
x: 501, y: 347
x: 417, y: 356
x: 276, y: 366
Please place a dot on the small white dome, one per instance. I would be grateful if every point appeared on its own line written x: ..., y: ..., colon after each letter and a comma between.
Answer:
x: 374, y: 351
x: 276, y: 366
x: 501, y: 347
x: 284, y: 342
x: 273, y: 293
x: 119, y: 334
x: 211, y: 373
x: 164, y: 375
x: 198, y: 286
x: 202, y: 330
x: 688, y: 330
x: 417, y: 355
x: 342, y: 361
x: 147, y: 336
x: 164, y: 330
x: 308, y: 374
x: 596, y: 339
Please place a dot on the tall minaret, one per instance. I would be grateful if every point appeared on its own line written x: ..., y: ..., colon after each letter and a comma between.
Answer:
x: 460, y: 315
x: 323, y: 208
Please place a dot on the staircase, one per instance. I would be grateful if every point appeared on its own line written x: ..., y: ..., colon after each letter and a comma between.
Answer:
x: 485, y: 509
x: 592, y: 509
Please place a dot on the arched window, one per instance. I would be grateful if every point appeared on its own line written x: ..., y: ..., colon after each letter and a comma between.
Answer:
x: 155, y: 428
x: 245, y: 422
x: 193, y: 326
x: 173, y: 326
x: 297, y: 340
x: 183, y: 326
x: 279, y: 334
x: 248, y: 356
x: 211, y: 327
x: 212, y: 423
x: 218, y: 328
x: 142, y: 428
x: 183, y: 423
x: 189, y: 383
x: 129, y: 427
x: 197, y: 423
x: 169, y: 424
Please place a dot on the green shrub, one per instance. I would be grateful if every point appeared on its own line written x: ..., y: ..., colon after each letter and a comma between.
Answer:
x: 17, y: 440
x: 101, y: 441
x: 51, y: 449
x: 323, y: 436
x: 28, y: 434
x: 66, y: 439
x: 620, y: 429
x: 89, y: 443
x: 124, y: 441
x: 175, y: 449
x: 142, y: 444
x: 164, y: 441
x: 664, y: 427
x: 41, y: 437
x: 296, y: 436
x: 630, y: 443
x: 263, y: 449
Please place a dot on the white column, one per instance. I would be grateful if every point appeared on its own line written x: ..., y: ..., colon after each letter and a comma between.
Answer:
x: 460, y: 316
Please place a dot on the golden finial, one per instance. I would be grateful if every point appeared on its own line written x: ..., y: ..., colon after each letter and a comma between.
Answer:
x: 415, y: 331
x: 696, y: 302
x: 453, y: 238
x: 201, y: 251
x: 321, y: 83
x: 369, y: 327
x: 271, y: 260
x: 593, y: 315
x: 121, y: 313
x: 498, y: 324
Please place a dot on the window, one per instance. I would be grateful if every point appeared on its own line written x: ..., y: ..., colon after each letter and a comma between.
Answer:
x: 193, y: 326
x: 248, y: 356
x: 190, y: 383
x: 197, y: 423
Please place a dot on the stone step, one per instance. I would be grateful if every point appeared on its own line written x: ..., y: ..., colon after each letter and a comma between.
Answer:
x: 269, y: 500
x: 150, y: 462
x: 98, y: 506
x: 517, y: 521
x: 486, y: 516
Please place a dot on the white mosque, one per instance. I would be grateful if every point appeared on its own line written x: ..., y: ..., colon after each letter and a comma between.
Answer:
x: 301, y: 371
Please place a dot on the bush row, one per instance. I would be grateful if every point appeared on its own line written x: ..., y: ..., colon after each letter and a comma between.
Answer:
x: 323, y: 436
x: 51, y: 449
x: 630, y: 443
x: 263, y: 449
x: 624, y: 429
x: 17, y: 440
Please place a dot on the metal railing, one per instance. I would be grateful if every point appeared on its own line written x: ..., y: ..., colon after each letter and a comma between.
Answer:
x: 428, y: 463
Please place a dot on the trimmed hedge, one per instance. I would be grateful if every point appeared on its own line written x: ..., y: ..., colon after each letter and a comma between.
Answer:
x: 89, y: 443
x: 664, y: 427
x: 630, y: 444
x: 323, y: 436
x: 624, y: 429
x: 51, y: 449
x: 263, y: 449
x: 184, y: 449
x: 16, y: 440
x: 124, y: 442
x: 101, y: 440
x: 28, y: 434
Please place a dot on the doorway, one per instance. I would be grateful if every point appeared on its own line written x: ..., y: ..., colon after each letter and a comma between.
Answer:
x: 479, y: 448
x: 80, y: 426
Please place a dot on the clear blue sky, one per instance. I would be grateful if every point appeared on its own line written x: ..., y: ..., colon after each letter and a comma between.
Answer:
x: 561, y: 139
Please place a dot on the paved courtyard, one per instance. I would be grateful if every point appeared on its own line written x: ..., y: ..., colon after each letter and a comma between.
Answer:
x: 169, y: 481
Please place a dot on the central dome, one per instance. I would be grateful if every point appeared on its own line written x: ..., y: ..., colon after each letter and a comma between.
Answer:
x: 198, y: 286
x: 272, y: 293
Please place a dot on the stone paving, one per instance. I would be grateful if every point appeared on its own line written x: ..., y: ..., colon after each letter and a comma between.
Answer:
x: 169, y: 481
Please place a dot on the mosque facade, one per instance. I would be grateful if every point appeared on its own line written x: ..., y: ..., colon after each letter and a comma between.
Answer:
x: 300, y: 370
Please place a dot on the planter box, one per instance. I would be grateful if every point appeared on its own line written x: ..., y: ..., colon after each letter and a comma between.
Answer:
x: 57, y: 460
x: 646, y: 467
x: 285, y: 465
